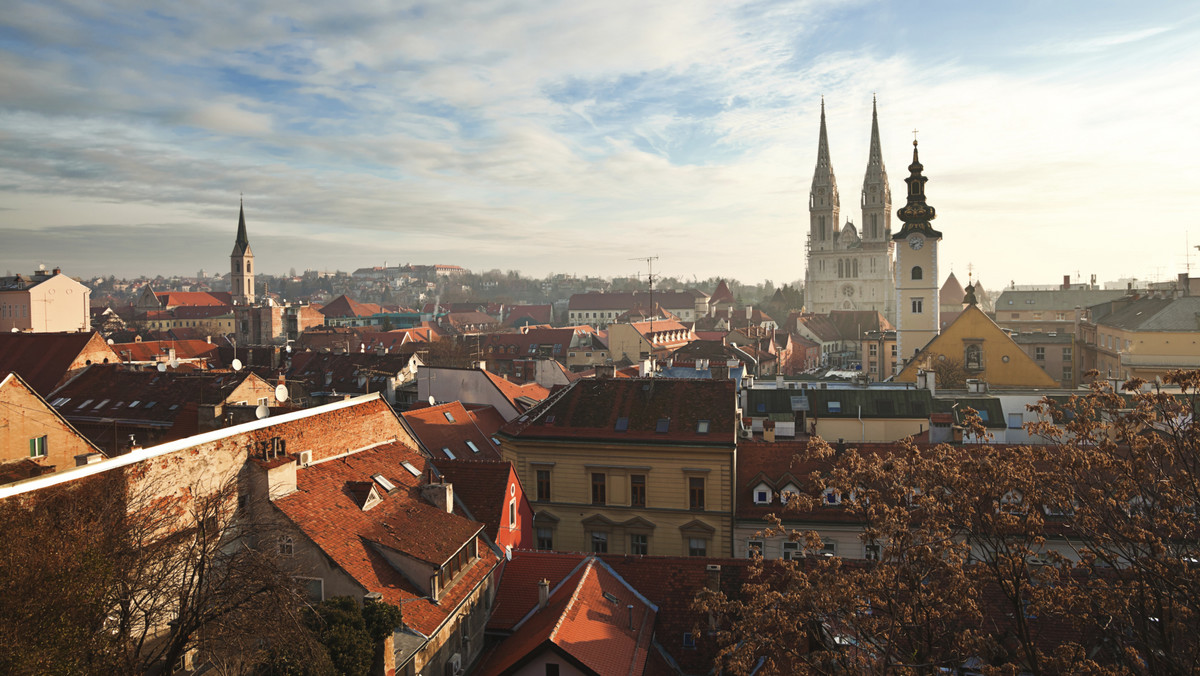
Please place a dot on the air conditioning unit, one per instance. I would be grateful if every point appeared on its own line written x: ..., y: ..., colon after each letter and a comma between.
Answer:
x: 747, y: 434
x: 455, y: 664
x: 305, y: 458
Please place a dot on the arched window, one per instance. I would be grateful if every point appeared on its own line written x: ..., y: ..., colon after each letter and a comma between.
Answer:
x: 856, y: 267
x: 821, y: 228
x: 917, y: 273
x: 841, y: 268
x: 247, y: 267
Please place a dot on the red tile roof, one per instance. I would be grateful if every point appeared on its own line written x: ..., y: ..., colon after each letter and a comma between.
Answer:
x: 324, y: 508
x: 44, y: 359
x: 436, y: 432
x: 171, y: 299
x: 487, y: 418
x: 529, y: 314
x: 513, y: 392
x: 157, y: 350
x: 482, y: 485
x: 592, y: 615
x: 591, y: 409
x: 721, y: 294
x: 344, y: 306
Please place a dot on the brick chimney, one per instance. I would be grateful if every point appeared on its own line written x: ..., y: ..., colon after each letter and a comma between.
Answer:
x: 440, y: 495
x: 543, y: 593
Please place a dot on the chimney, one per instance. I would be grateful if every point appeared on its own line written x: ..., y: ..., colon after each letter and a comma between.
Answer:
x: 1066, y: 282
x: 57, y: 270
x: 749, y: 312
x: 714, y: 576
x: 440, y: 495
x: 1181, y: 287
x: 88, y: 459
x: 630, y: 609
x: 543, y: 593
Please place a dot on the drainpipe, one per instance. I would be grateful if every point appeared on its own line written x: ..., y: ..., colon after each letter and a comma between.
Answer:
x: 863, y: 424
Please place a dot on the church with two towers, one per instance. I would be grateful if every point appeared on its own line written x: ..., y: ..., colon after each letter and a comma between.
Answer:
x: 868, y: 267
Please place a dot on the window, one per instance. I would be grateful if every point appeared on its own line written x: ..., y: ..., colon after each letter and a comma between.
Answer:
x: 639, y: 544
x: 833, y: 406
x: 871, y: 551
x: 754, y: 548
x: 917, y: 273
x: 791, y: 551
x: 37, y: 447
x: 662, y: 425
x: 412, y: 469
x: 696, y: 493
x: 543, y: 485
x: 974, y: 357
x: 551, y: 669
x: 873, y: 350
x: 512, y: 513
x: 831, y: 497
x: 286, y: 546
x: 697, y: 547
x: 1067, y: 373
x: 599, y: 542
x: 449, y: 416
x: 449, y: 453
x: 918, y: 306
x: 314, y: 588
x: 471, y: 445
x: 702, y: 427
x: 828, y: 549
x: 622, y: 424
x: 1067, y: 352
x: 762, y: 496
x: 545, y: 538
x: 1014, y: 421
x: 598, y: 488
x: 637, y: 490
x: 1039, y: 353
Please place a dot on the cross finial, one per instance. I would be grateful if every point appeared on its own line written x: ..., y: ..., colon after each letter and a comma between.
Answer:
x: 914, y: 137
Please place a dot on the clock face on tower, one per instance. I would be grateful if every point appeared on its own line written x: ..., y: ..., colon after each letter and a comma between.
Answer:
x: 916, y: 242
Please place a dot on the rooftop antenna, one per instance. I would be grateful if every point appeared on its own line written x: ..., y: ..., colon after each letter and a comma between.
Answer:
x: 650, y: 277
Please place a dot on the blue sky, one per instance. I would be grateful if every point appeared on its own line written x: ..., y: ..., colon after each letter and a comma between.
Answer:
x: 570, y: 137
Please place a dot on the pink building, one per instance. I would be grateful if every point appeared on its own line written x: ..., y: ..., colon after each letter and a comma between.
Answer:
x: 44, y: 303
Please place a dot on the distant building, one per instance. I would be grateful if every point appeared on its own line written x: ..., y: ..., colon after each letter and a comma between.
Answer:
x: 241, y: 264
x: 43, y: 303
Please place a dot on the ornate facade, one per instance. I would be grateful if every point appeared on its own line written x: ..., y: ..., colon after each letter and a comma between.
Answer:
x: 850, y: 268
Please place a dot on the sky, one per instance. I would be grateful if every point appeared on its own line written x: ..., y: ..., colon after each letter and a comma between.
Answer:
x: 575, y: 137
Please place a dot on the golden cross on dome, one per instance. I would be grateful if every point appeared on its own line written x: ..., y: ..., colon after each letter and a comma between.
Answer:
x: 914, y: 137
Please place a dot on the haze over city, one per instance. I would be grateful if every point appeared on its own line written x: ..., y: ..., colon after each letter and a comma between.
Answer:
x: 571, y: 137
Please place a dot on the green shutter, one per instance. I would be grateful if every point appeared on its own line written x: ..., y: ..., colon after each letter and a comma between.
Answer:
x: 33, y: 448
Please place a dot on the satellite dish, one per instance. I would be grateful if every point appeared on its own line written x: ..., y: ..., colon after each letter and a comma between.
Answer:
x: 110, y: 340
x: 289, y: 349
x: 432, y: 401
x: 262, y: 412
x: 281, y: 393
x: 162, y: 367
x: 174, y: 363
x: 15, y: 330
x: 236, y: 364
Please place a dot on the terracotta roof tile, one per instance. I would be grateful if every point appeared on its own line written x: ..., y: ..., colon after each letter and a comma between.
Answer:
x: 325, y: 509
x: 482, y: 486
x: 44, y: 359
x: 450, y: 426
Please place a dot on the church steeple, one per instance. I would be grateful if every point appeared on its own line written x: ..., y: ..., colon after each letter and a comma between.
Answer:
x: 242, y: 244
x: 823, y: 175
x: 916, y: 214
x: 876, y: 195
x: 241, y: 264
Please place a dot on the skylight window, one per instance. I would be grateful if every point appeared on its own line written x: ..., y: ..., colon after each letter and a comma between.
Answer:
x: 84, y: 404
x: 471, y: 445
x: 151, y: 404
x: 449, y: 453
x: 549, y: 420
x: 702, y: 427
x: 411, y: 468
x: 382, y: 481
x: 761, y: 407
x: 610, y: 597
x: 60, y: 401
x: 101, y: 404
x: 449, y: 416
x: 662, y: 425
x: 622, y: 424
x: 134, y: 403
x: 834, y: 406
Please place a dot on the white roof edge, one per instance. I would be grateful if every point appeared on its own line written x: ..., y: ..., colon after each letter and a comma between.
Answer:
x: 45, y: 481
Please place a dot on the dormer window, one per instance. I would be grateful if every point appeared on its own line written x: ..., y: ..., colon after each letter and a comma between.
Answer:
x: 762, y: 494
x: 831, y: 497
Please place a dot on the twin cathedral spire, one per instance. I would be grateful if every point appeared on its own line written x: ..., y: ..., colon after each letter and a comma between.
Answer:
x: 850, y: 267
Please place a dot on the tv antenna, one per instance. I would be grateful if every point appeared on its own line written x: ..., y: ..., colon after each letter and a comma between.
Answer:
x: 650, y: 278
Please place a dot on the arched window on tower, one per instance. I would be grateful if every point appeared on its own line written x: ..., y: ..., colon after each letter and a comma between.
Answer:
x: 855, y: 268
x: 247, y: 267
x: 821, y: 228
x: 841, y: 268
x: 917, y: 273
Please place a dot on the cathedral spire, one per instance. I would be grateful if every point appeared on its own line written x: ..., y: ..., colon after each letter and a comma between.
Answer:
x: 875, y: 157
x: 823, y: 179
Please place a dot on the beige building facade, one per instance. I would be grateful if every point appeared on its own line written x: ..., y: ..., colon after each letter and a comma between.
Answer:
x: 44, y: 303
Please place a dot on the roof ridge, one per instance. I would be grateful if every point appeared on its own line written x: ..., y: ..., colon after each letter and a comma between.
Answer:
x: 591, y: 566
x: 554, y: 590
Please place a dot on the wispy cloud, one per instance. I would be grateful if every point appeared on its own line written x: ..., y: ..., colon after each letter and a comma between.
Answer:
x: 554, y: 135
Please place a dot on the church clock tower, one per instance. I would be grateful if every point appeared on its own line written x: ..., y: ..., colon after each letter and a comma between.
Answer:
x: 241, y: 265
x: 916, y: 269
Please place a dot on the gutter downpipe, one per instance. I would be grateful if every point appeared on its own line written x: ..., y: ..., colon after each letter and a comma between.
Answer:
x: 864, y: 425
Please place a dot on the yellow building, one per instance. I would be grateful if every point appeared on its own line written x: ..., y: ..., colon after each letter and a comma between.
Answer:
x: 630, y: 466
x: 1148, y: 337
x: 984, y: 351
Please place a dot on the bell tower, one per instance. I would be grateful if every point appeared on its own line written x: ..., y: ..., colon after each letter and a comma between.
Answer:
x: 241, y: 264
x: 916, y: 269
x: 820, y: 289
